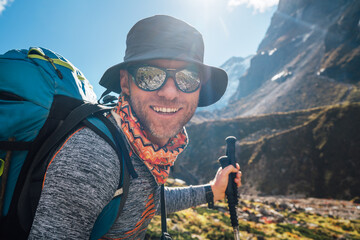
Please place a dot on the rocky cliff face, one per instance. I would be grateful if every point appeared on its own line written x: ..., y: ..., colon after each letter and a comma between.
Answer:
x: 308, y: 58
x: 296, y: 112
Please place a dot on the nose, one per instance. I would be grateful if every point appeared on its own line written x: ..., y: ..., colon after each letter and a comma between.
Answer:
x: 169, y: 90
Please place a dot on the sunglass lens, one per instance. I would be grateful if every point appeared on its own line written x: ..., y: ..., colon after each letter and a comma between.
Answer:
x: 149, y: 78
x: 188, y: 80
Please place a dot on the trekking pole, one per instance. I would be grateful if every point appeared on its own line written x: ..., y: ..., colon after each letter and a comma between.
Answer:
x: 231, y: 190
x: 164, y: 234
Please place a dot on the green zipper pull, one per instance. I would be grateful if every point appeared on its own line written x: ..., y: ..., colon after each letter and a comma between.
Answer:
x: 52, y: 63
x: 2, y: 164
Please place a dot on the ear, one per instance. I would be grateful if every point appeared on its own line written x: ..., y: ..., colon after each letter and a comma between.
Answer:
x: 124, y: 82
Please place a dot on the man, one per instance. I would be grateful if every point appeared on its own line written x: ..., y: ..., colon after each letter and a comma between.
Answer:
x: 161, y: 82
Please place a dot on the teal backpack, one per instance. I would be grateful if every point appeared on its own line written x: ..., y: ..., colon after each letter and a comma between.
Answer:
x: 43, y: 98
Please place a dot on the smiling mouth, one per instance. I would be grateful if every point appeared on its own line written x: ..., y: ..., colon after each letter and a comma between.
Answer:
x: 165, y: 110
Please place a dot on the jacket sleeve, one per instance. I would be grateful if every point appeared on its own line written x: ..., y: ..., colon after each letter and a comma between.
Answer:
x: 81, y: 179
x: 180, y: 198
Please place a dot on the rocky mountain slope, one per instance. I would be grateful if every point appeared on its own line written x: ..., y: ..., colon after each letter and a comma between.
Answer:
x: 313, y: 152
x: 309, y: 57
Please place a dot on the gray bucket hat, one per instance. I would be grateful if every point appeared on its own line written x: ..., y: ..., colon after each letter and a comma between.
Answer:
x: 165, y: 37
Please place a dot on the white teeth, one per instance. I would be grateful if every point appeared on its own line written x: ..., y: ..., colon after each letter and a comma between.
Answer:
x: 165, y: 110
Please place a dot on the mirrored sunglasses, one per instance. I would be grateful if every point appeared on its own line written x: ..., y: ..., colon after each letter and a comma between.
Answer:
x: 152, y: 78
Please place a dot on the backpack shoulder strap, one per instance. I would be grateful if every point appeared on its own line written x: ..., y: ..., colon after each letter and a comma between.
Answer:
x: 72, y: 120
x: 105, y: 129
x: 117, y: 140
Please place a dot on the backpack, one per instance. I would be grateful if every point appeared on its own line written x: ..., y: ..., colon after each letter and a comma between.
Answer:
x: 43, y: 98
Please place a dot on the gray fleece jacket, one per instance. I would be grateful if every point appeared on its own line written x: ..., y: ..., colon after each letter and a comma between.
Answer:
x: 81, y: 180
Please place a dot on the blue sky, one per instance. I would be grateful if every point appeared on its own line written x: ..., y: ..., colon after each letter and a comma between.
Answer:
x: 91, y: 34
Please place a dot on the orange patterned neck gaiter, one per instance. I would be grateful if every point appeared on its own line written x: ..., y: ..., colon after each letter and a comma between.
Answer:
x: 157, y: 159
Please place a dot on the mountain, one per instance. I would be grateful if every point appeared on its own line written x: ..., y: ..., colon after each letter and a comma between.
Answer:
x: 309, y: 57
x: 235, y: 67
x: 296, y: 110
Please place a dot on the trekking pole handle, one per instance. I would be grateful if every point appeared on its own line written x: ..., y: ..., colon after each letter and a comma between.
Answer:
x: 230, y: 149
x: 227, y: 160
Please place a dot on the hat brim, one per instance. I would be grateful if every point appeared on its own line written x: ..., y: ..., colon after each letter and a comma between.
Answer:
x: 212, y: 89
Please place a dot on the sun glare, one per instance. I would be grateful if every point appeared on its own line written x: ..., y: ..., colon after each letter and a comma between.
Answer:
x: 208, y: 8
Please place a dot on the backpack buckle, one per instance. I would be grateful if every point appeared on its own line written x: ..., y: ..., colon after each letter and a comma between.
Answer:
x: 118, y: 192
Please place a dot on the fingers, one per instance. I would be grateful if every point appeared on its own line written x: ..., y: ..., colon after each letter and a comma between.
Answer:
x: 220, y: 182
x: 237, y: 180
x: 230, y: 169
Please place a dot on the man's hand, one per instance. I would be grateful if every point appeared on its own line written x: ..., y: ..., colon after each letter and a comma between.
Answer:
x: 220, y: 182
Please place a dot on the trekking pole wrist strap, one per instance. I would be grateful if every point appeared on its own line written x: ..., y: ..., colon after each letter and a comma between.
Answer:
x: 209, y: 195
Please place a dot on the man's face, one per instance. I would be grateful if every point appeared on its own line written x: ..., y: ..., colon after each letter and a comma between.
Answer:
x: 164, y: 112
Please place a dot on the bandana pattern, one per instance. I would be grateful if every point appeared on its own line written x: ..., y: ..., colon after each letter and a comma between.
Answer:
x: 157, y: 159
